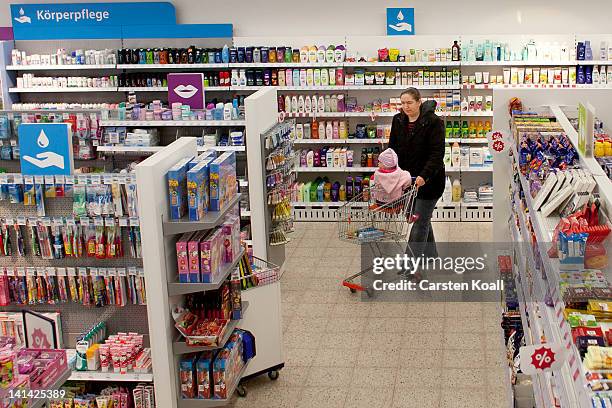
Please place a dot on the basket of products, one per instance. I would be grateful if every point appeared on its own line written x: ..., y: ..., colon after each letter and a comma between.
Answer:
x: 255, y: 272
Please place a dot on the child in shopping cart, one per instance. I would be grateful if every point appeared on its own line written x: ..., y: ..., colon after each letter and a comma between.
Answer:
x: 389, y: 180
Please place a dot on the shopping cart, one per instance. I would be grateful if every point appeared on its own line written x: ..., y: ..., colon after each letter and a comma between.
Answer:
x: 364, y: 221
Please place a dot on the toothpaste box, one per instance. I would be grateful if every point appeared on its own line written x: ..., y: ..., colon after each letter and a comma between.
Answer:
x: 182, y: 256
x: 177, y: 188
x: 211, y: 251
x: 222, y: 181
x: 193, y: 251
x: 198, y: 189
x: 204, y: 156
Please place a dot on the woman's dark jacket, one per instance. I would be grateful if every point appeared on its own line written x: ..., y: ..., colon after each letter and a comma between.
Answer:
x: 421, y: 151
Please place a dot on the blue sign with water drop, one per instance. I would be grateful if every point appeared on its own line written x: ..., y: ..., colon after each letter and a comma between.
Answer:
x: 400, y: 21
x: 45, y: 149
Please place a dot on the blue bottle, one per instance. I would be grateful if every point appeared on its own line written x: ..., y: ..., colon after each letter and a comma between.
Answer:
x: 580, y: 74
x: 225, y: 54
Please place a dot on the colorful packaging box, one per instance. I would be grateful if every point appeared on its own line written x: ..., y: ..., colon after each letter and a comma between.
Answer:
x: 193, y: 250
x: 177, y: 188
x: 227, y: 366
x: 204, y: 375
x: 231, y: 239
x: 187, y: 373
x: 211, y: 255
x: 236, y: 299
x: 198, y: 190
x: 222, y: 181
x: 182, y: 256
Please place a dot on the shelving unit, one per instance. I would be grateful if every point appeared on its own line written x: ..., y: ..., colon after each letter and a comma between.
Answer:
x: 110, y: 376
x: 41, y: 402
x: 211, y: 220
x: 172, y: 123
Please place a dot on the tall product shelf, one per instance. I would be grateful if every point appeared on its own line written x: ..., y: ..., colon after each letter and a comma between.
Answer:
x: 541, y: 300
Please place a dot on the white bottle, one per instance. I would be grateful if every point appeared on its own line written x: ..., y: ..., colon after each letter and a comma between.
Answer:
x: 289, y: 77
x: 447, y: 196
x: 609, y: 76
x: 324, y: 77
x: 603, y: 51
x: 314, y: 104
x: 307, y: 105
x: 321, y: 103
x: 243, y: 80
x: 322, y: 129
x: 327, y: 103
x: 227, y: 111
x: 329, y: 130
x: 603, y: 79
x: 595, y: 77
x: 235, y: 78
x: 294, y: 104
x: 301, y: 104
x: 287, y: 103
x: 455, y: 155
x: 317, y: 77
x: 464, y: 105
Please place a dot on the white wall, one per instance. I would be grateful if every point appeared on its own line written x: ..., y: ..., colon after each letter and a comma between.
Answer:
x: 367, y: 17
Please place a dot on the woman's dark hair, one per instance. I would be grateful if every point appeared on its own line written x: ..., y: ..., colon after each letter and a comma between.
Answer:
x: 413, y: 92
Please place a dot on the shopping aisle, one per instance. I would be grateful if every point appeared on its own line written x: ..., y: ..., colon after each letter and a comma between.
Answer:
x: 340, y: 352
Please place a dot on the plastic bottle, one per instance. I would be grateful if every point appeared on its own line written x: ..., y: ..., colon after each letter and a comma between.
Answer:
x: 321, y: 104
x: 464, y: 105
x: 465, y: 130
x: 449, y: 129
x: 603, y: 76
x: 365, y: 188
x: 349, y: 188
x: 322, y: 129
x: 603, y: 51
x: 456, y: 191
x: 456, y: 51
x: 307, y: 105
x: 301, y: 104
x: 595, y: 75
x: 588, y: 51
x: 324, y: 77
x: 447, y: 196
x: 289, y: 77
x: 342, y: 193
x: 455, y: 155
x: 294, y: 104
x: 314, y: 104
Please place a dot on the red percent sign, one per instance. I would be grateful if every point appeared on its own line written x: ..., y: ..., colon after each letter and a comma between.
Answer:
x: 498, y: 146
x: 542, y: 358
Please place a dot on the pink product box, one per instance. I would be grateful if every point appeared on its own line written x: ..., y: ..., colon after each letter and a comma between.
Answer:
x: 193, y: 248
x: 231, y: 239
x: 211, y: 251
x: 182, y: 257
x: 55, y: 363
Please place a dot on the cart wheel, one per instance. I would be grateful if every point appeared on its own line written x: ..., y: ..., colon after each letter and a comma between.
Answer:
x: 241, y: 391
x: 273, y: 375
x: 353, y: 290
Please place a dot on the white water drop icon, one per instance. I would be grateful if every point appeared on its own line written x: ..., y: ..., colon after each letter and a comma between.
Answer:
x: 400, y: 16
x: 43, y: 140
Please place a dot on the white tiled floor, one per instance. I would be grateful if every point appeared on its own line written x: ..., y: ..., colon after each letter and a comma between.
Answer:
x: 341, y: 352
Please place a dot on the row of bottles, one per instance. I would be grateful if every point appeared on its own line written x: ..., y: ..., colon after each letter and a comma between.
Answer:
x: 339, y: 129
x: 311, y: 104
x: 452, y: 191
x: 322, y: 190
x: 472, y: 129
x: 337, y: 157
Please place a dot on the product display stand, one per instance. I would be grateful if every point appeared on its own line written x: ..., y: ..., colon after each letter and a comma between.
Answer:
x: 265, y: 300
x: 570, y: 382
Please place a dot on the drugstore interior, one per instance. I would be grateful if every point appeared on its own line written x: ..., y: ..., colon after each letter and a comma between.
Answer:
x: 217, y: 194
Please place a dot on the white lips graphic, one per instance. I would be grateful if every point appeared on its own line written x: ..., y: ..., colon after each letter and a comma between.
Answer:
x: 185, y: 91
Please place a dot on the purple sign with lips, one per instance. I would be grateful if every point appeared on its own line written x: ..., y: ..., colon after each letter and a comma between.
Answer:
x: 187, y: 89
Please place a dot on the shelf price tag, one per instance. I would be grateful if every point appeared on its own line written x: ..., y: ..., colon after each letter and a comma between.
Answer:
x: 10, y: 271
x: 31, y: 271
x: 51, y: 271
x: 21, y: 271
x: 82, y: 271
x: 61, y: 271
x: 71, y: 271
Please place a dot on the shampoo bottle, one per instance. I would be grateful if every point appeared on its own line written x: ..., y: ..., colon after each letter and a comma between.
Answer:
x: 447, y: 196
x: 455, y: 155
x: 335, y: 130
x: 603, y: 76
x: 308, y: 105
x: 322, y: 129
x: 310, y: 159
x: 294, y: 104
x: 289, y: 77
x: 321, y: 104
x: 595, y: 75
x: 329, y: 130
x: 314, y: 104
x: 609, y: 75
x: 456, y: 191
x: 301, y: 104
x: 324, y: 77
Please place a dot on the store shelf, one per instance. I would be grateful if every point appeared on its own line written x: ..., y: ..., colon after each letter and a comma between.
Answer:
x: 58, y: 67
x: 209, y: 221
x: 285, y: 64
x: 173, y: 123
x: 480, y: 140
x: 110, y: 376
x: 476, y: 114
x: 246, y: 87
x: 369, y: 114
x: 484, y: 169
x: 180, y: 347
x: 222, y: 148
x: 129, y: 149
x: 61, y: 90
x: 518, y: 63
x: 400, y: 87
x: 172, y: 66
x: 143, y: 89
x: 311, y: 88
x: 339, y: 141
x: 40, y: 403
x: 205, y: 403
x: 476, y: 204
x: 176, y: 288
x: 325, y: 204
x: 536, y: 86
x: 403, y: 64
x: 336, y: 169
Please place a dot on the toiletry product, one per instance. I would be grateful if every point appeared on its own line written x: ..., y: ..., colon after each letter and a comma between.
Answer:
x: 455, y: 155
x: 456, y: 191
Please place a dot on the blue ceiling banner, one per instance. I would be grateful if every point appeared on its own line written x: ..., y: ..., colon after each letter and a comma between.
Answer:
x: 76, y: 17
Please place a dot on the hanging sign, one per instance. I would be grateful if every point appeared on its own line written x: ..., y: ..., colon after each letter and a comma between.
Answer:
x: 538, y: 358
x: 187, y: 89
x: 497, y: 142
x: 45, y: 149
x: 400, y: 21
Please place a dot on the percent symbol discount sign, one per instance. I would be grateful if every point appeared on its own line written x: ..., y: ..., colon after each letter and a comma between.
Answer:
x: 497, y: 142
x: 542, y: 357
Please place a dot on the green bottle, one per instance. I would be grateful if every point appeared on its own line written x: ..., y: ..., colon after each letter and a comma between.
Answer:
x: 465, y: 130
x: 457, y: 129
x: 449, y: 129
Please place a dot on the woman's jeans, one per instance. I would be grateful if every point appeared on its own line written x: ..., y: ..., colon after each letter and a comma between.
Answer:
x: 421, y: 239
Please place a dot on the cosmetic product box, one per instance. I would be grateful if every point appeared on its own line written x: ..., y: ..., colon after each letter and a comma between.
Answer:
x: 182, y: 256
x: 231, y: 238
x: 211, y: 255
x: 193, y: 253
x: 198, y: 189
x: 177, y: 188
x: 222, y: 181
